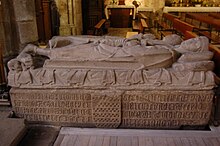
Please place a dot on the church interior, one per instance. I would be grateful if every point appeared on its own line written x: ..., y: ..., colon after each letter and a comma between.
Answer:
x: 64, y: 99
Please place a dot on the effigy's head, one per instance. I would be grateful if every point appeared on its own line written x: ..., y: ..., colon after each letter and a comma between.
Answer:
x: 198, y: 44
x: 173, y: 39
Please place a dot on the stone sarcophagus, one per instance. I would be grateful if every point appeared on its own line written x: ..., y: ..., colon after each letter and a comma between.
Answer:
x: 109, y: 82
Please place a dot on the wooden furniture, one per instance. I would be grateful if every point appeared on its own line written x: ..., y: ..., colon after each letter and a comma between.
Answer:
x: 215, y: 15
x: 135, y: 25
x: 143, y: 16
x: 120, y: 17
x: 44, y: 20
x: 99, y: 27
x: 179, y: 27
x: 144, y: 26
x: 166, y: 21
x: 212, y: 23
x: 216, y: 58
x: 189, y: 35
x: 108, y: 9
x: 92, y: 13
x: 140, y: 25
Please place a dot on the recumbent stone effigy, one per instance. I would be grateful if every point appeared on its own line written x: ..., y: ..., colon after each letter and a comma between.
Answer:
x: 112, y: 82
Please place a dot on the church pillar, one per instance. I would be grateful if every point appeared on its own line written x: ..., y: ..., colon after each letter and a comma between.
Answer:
x: 78, y: 16
x: 70, y: 17
x: 25, y: 21
x: 62, y: 10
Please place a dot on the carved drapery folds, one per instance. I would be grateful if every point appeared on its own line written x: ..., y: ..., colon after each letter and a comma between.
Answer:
x: 115, y: 63
x: 115, y: 88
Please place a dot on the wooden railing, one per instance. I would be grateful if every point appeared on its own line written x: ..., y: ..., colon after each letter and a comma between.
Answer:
x: 99, y: 27
x: 140, y: 25
x: 212, y: 23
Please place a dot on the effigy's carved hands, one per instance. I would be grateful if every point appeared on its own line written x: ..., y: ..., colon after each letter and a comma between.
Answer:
x: 24, y: 60
x: 30, y: 49
x: 14, y: 65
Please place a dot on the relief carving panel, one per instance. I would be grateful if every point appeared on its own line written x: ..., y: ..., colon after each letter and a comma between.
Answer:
x: 113, y: 109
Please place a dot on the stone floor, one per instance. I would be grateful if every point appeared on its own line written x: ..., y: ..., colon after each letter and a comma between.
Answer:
x: 132, y: 137
x: 12, y: 130
x: 120, y: 32
x: 40, y: 135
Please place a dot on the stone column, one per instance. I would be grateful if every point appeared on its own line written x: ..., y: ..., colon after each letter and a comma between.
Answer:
x: 70, y: 17
x: 7, y: 32
x: 64, y: 28
x: 78, y: 16
x: 25, y: 21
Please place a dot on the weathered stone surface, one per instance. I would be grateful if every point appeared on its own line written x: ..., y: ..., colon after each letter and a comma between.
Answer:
x: 112, y: 109
x: 27, y: 31
x: 166, y: 109
x: 24, y: 10
x: 109, y: 82
x: 119, y: 63
x: 11, y: 131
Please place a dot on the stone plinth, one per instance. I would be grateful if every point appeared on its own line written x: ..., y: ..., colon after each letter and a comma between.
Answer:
x: 112, y: 109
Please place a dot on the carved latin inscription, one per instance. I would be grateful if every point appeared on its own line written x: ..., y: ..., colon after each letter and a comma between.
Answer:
x: 53, y: 106
x: 165, y: 110
x: 112, y: 109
